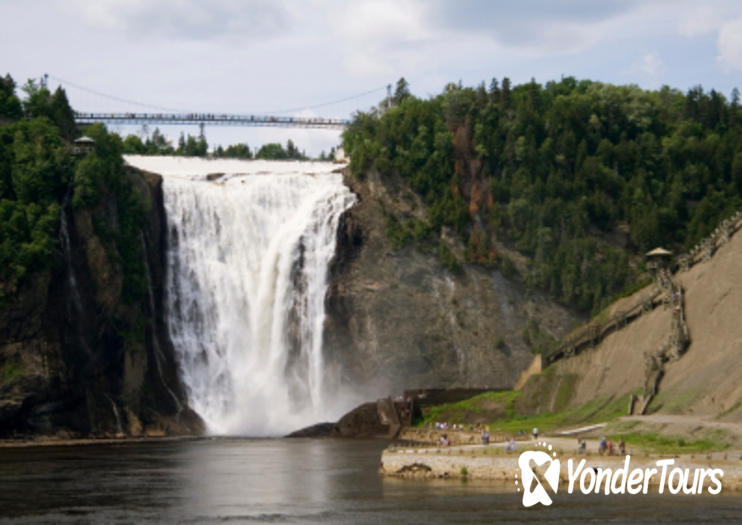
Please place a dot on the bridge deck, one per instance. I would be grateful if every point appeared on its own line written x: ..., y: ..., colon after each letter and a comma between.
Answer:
x: 210, y: 118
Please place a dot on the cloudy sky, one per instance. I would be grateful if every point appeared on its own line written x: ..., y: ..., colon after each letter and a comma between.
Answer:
x: 301, y: 57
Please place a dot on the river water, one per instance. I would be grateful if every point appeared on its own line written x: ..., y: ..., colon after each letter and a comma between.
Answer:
x: 287, y: 481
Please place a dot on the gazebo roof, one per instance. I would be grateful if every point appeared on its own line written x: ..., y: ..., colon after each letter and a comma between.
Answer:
x: 658, y: 252
x: 84, y: 140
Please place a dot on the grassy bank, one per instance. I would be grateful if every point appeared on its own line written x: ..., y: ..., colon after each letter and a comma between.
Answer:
x: 483, y: 408
x: 674, y: 444
x: 497, y: 409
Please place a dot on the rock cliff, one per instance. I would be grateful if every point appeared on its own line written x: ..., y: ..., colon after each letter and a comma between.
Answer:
x: 76, y: 359
x: 397, y: 318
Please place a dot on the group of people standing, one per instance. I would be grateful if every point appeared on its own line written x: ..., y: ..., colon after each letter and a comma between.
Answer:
x: 608, y: 447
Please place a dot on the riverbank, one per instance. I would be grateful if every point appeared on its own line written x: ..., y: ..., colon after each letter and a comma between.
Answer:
x: 492, y: 462
x: 53, y: 441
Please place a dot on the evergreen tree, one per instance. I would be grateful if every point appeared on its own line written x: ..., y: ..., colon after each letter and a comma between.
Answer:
x: 401, y: 92
x: 560, y: 171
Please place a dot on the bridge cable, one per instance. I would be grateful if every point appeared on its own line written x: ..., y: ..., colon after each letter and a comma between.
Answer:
x: 163, y: 108
x: 352, y: 97
x: 112, y: 97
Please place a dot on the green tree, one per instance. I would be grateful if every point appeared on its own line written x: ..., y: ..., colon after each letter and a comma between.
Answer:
x: 157, y: 144
x: 557, y: 170
x: 134, y: 145
x: 401, y: 91
x: 39, y: 102
x: 239, y: 151
x: 272, y: 150
x: 10, y: 105
x: 276, y: 151
x: 192, y: 146
x: 34, y: 172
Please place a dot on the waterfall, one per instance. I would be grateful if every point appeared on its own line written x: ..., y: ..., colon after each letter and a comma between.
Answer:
x: 66, y: 244
x: 119, y: 428
x: 249, y: 248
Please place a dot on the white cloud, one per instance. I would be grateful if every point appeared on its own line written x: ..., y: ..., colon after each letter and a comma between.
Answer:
x: 534, y: 28
x: 648, y: 67
x: 563, y: 38
x: 730, y: 45
x: 699, y: 20
x: 650, y: 64
x: 381, y: 36
x: 187, y: 19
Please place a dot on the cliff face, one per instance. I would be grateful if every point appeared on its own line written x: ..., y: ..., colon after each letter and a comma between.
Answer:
x: 398, y: 318
x: 77, y: 359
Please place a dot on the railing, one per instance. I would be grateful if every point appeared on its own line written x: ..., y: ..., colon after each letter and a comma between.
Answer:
x: 221, y: 119
x: 708, y: 246
x: 597, y: 330
x: 592, y: 334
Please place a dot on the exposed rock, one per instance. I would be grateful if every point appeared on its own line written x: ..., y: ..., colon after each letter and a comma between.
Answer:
x: 74, y: 356
x: 382, y: 419
x: 375, y: 420
x: 314, y: 431
x: 397, y: 318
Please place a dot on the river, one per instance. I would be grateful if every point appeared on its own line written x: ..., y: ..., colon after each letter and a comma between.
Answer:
x: 286, y: 481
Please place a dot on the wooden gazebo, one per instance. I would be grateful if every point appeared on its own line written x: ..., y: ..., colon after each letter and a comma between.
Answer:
x: 658, y: 258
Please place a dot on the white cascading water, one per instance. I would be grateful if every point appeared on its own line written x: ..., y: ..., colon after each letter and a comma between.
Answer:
x: 248, y: 258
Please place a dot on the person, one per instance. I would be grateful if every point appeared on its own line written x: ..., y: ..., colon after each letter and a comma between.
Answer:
x: 535, y: 433
x: 444, y: 440
x: 622, y: 447
x: 611, y: 452
x: 485, y: 437
x: 513, y: 445
x: 581, y: 446
x: 602, y: 446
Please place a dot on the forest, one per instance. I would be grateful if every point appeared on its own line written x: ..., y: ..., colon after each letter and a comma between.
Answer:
x: 39, y: 177
x: 157, y: 144
x: 581, y: 177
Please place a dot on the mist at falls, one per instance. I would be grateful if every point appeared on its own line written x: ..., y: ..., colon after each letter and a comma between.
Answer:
x: 248, y: 257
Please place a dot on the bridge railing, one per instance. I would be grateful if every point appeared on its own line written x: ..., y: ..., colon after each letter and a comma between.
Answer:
x: 211, y: 118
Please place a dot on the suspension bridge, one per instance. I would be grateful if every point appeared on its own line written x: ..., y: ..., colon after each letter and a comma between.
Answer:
x: 168, y: 116
x: 201, y: 119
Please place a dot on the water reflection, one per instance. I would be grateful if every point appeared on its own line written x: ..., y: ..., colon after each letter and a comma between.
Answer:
x: 258, y: 477
x: 295, y: 481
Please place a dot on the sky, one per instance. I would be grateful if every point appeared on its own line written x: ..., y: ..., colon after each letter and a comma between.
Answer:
x: 301, y: 57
